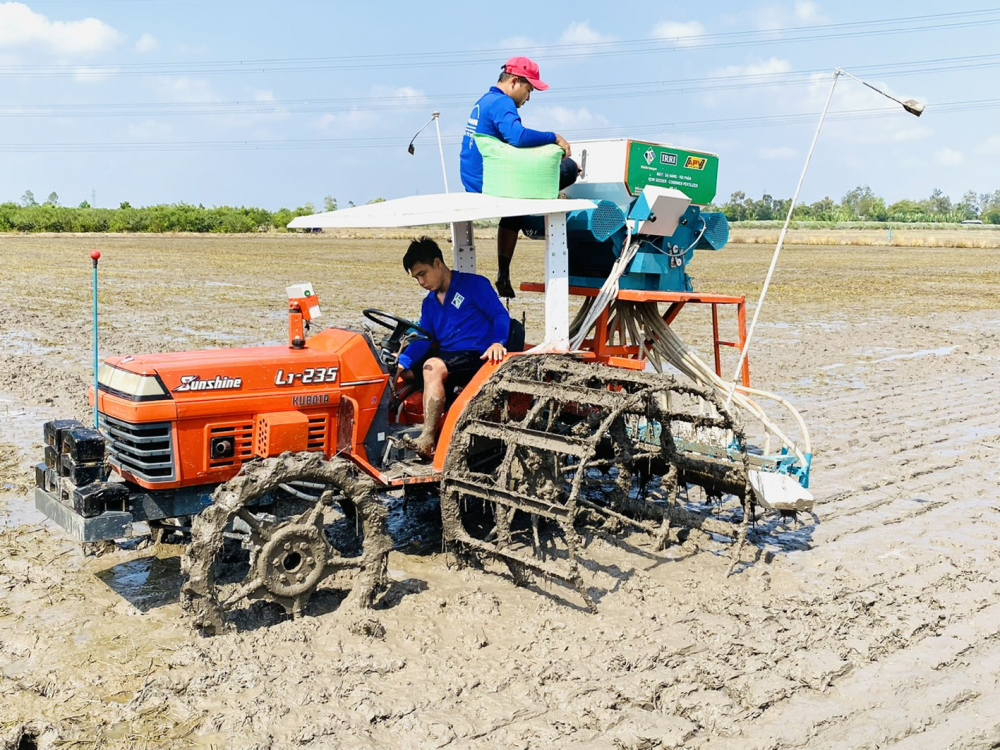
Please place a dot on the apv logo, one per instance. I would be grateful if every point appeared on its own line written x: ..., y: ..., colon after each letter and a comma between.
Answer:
x: 695, y: 162
x: 218, y: 383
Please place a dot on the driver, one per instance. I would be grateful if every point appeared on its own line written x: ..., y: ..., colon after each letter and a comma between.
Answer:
x: 467, y: 323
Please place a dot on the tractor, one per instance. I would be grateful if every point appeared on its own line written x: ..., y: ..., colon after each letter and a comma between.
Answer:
x: 284, y: 454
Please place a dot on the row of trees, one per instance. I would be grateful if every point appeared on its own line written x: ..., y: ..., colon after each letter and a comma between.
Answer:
x: 861, y: 204
x: 31, y: 216
x: 180, y: 217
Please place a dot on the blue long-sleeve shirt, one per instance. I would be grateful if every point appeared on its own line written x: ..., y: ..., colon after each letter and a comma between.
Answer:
x: 472, y: 318
x: 496, y: 115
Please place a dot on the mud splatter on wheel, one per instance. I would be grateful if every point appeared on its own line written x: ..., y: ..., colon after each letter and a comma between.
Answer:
x: 574, y: 444
x: 290, y: 554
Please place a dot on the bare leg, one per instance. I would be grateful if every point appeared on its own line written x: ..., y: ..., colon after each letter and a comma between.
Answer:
x: 506, y: 242
x: 435, y: 375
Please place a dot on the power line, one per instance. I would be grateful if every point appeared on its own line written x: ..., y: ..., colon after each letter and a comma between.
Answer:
x: 452, y: 100
x: 739, y: 123
x: 819, y: 32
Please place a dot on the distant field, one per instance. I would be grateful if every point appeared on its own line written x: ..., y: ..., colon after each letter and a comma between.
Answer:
x: 753, y: 233
x: 154, y: 283
x: 983, y: 236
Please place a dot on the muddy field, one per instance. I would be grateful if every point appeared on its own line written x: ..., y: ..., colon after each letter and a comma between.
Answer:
x: 878, y: 627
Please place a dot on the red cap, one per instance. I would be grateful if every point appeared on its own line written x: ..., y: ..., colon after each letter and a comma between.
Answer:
x: 522, y: 66
x: 95, y: 254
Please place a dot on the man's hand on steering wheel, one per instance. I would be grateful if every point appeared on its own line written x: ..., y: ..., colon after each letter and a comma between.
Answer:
x: 402, y: 329
x: 394, y: 323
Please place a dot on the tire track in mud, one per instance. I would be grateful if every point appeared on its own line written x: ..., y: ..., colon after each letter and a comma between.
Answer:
x: 919, y: 545
x: 943, y: 671
x: 840, y: 635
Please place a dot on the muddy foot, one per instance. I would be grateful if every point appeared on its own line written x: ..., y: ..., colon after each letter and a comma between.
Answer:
x: 421, y: 446
x: 504, y: 288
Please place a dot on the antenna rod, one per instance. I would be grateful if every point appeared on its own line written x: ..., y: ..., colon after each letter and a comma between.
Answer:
x: 95, y: 255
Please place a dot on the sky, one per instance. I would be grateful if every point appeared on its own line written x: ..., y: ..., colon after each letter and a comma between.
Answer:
x: 276, y: 103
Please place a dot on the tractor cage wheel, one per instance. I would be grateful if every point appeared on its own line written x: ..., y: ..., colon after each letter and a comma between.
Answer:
x: 290, y: 558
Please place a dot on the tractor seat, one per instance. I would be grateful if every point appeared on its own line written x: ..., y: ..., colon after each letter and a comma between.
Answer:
x: 515, y: 337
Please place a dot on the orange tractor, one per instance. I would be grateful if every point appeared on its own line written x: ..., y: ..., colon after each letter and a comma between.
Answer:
x: 278, y: 457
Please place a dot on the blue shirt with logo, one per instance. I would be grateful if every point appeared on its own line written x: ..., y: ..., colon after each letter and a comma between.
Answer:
x: 496, y: 115
x: 472, y: 318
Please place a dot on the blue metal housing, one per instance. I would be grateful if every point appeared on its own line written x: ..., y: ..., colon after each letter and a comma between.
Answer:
x: 596, y: 237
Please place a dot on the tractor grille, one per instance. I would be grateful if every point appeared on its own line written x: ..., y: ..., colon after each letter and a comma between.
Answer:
x: 317, y: 432
x: 145, y: 450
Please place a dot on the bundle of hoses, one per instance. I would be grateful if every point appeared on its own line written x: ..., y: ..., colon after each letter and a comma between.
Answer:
x: 640, y: 324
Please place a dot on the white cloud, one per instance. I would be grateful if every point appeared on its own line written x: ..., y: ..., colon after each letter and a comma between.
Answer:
x: 909, y: 133
x: 21, y: 27
x: 146, y: 43
x: 355, y: 119
x: 770, y: 18
x: 366, y: 118
x: 556, y: 118
x: 581, y: 33
x: 273, y: 111
x: 522, y: 44
x: 948, y: 157
x: 808, y: 12
x: 681, y: 33
x: 990, y: 146
x: 779, y: 153
x: 757, y: 68
x: 409, y: 95
x: 754, y: 93
x: 782, y: 16
x: 92, y: 75
x: 187, y: 89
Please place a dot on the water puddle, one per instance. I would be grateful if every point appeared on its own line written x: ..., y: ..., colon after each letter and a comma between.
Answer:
x: 16, y: 342
x: 147, y: 582
x: 20, y: 449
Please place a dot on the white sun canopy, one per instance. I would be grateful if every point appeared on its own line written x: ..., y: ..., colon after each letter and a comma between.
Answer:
x: 446, y: 208
x: 460, y: 210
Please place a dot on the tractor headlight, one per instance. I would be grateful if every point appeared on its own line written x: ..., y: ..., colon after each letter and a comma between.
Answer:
x: 130, y: 385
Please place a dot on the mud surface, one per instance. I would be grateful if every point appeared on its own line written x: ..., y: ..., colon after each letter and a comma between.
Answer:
x: 879, y: 627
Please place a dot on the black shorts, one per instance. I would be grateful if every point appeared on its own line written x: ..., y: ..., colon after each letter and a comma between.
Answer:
x: 517, y: 223
x: 462, y: 366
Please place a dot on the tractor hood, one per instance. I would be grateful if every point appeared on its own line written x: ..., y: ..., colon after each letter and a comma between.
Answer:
x: 332, y: 359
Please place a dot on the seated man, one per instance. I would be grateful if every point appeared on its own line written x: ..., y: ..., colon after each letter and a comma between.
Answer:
x: 468, y: 322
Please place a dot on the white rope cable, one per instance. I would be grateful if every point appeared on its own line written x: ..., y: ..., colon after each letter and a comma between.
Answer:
x: 777, y: 250
x: 688, y: 362
x: 629, y: 317
x: 609, y: 290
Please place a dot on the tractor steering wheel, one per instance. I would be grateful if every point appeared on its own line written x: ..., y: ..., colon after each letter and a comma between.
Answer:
x: 393, y: 343
x: 383, y: 318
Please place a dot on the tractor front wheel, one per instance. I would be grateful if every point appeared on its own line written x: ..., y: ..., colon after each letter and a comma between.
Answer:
x: 333, y: 531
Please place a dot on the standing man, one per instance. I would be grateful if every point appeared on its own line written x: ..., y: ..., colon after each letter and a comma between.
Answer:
x: 467, y: 322
x: 496, y: 115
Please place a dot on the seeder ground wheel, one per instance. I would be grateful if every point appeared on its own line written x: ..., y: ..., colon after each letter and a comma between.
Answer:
x: 575, y: 445
x: 287, y: 535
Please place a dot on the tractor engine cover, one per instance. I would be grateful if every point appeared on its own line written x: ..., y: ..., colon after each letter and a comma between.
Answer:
x: 187, y: 419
